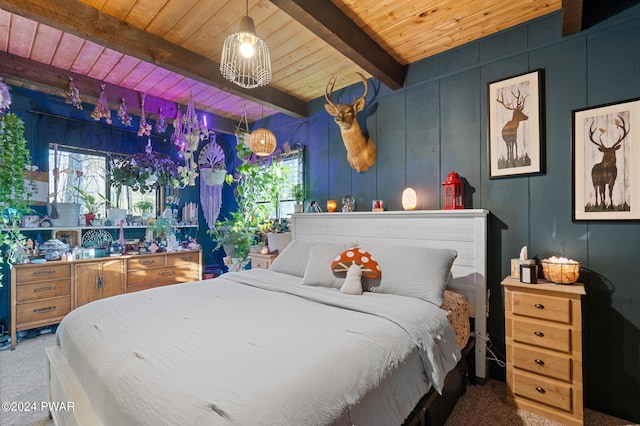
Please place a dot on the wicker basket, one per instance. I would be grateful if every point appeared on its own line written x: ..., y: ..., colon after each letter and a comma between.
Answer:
x: 561, y: 273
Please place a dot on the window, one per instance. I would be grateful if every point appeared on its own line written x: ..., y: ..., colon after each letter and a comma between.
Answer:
x: 293, y: 163
x: 89, y: 171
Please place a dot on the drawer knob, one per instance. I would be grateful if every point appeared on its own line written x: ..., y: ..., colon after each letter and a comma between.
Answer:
x: 185, y: 258
x: 40, y: 273
x: 44, y: 310
x: 539, y: 361
x: 539, y: 305
x: 541, y: 390
x: 147, y: 262
x: 39, y: 289
x: 539, y: 333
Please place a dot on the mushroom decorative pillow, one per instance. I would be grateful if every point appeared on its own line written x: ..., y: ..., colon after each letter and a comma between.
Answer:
x: 356, y: 256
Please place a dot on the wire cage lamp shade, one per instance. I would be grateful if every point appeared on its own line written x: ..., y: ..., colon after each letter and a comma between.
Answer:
x: 262, y: 142
x: 245, y: 57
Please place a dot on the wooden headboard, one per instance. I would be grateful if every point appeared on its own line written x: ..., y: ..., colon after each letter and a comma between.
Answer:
x: 462, y: 230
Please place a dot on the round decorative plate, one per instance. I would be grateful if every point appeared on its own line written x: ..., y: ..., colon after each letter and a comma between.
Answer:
x: 99, y: 237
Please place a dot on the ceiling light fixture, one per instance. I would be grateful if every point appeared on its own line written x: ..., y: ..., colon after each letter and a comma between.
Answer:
x: 245, y: 57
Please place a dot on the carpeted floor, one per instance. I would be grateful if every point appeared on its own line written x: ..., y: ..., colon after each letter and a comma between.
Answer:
x: 23, y: 379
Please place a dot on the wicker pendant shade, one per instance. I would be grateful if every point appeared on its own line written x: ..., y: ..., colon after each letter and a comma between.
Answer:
x: 245, y: 57
x: 262, y: 142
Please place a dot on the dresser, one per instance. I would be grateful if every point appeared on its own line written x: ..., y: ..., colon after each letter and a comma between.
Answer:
x: 42, y: 294
x: 543, y: 331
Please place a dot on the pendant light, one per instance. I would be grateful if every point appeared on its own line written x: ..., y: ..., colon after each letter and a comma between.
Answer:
x: 245, y: 57
x: 262, y: 141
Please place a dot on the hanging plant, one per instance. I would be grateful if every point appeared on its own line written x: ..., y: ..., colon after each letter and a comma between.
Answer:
x: 102, y: 107
x: 14, y: 196
x: 5, y: 97
x: 72, y: 95
x: 146, y: 171
x: 145, y: 127
x: 161, y: 124
x: 123, y: 113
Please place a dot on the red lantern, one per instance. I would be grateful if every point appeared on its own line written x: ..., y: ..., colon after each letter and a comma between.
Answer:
x: 453, y: 192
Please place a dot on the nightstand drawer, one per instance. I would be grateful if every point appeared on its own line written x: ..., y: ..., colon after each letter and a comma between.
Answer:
x: 547, y: 391
x: 260, y: 263
x: 43, y: 310
x: 541, y: 334
x: 543, y: 307
x: 42, y: 290
x: 145, y: 262
x: 542, y: 362
x: 45, y: 272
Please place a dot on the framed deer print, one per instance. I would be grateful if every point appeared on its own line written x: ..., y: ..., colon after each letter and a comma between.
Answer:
x: 606, y: 162
x: 516, y: 145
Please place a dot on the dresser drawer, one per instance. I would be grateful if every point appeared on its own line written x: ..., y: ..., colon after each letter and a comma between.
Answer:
x: 543, y: 334
x: 43, y: 290
x: 183, y: 259
x: 547, y: 391
x: 146, y: 261
x: 556, y: 366
x: 50, y: 271
x: 540, y: 306
x: 43, y: 310
x: 162, y: 276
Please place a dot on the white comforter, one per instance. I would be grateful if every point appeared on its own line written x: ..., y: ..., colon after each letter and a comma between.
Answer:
x: 251, y: 348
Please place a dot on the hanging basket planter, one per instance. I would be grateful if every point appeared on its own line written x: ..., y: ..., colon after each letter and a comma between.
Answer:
x: 213, y: 176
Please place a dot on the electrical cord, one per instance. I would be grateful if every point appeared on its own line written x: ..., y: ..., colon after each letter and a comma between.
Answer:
x: 492, y: 351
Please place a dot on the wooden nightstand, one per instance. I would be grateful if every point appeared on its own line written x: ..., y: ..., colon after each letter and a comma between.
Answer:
x: 262, y: 261
x: 543, y: 331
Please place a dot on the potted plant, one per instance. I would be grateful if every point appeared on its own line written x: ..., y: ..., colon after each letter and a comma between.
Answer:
x: 93, y: 204
x: 257, y: 192
x: 299, y: 193
x: 215, y: 174
x: 145, y: 172
x: 144, y: 208
x: 14, y: 196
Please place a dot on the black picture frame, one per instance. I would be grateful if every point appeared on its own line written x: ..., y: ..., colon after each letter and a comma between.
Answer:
x: 516, y: 126
x: 606, y: 162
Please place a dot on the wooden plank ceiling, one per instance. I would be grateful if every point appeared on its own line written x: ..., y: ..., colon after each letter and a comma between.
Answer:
x: 171, y: 48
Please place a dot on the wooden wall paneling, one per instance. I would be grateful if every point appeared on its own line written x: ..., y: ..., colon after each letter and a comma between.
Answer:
x: 391, y: 147
x: 423, y: 144
x: 317, y: 160
x: 339, y: 169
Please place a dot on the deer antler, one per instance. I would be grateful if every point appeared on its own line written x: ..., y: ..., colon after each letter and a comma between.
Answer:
x: 366, y: 86
x: 625, y: 132
x: 519, y: 102
x: 328, y: 92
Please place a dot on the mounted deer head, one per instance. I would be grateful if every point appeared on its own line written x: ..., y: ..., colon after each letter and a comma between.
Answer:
x: 361, y: 151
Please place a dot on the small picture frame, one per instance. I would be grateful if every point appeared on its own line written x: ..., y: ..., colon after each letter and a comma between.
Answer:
x: 606, y: 162
x: 516, y: 127
x: 529, y: 273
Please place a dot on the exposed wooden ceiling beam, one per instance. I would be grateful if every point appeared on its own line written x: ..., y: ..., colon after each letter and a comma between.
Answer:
x: 571, y: 16
x: 54, y: 81
x: 87, y: 22
x: 328, y: 22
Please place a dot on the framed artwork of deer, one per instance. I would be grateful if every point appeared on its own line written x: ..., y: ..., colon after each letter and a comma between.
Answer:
x: 516, y: 132
x: 606, y: 162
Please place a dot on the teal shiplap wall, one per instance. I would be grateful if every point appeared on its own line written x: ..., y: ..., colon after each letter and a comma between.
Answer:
x: 437, y: 123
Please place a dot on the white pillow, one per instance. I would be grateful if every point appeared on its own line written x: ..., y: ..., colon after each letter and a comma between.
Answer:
x: 411, y: 271
x: 293, y: 258
x: 318, y: 271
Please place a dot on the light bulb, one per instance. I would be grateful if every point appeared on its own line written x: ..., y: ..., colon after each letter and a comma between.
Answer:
x: 246, y: 49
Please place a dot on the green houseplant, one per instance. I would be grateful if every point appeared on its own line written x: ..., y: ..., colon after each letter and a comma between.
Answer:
x: 299, y: 193
x: 257, y: 191
x: 93, y: 204
x: 14, y: 197
x: 145, y: 172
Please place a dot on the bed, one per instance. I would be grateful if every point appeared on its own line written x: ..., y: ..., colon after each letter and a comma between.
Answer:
x: 285, y: 345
